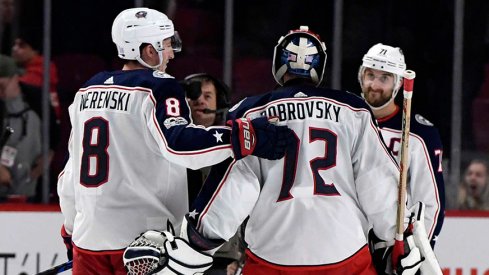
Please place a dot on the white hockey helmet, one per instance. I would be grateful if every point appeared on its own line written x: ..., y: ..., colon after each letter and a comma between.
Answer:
x: 385, y: 58
x: 135, y: 26
x: 301, y: 53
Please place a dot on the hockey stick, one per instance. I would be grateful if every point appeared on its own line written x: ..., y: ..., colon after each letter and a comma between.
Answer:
x: 57, y: 269
x: 403, y: 165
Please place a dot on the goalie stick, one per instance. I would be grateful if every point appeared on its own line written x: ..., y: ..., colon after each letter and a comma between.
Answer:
x: 403, y: 165
x: 57, y: 269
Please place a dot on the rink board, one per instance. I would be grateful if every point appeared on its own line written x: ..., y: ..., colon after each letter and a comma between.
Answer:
x: 30, y: 242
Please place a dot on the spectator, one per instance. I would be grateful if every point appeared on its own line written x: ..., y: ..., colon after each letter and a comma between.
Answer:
x: 473, y: 192
x: 20, y: 162
x: 27, y: 53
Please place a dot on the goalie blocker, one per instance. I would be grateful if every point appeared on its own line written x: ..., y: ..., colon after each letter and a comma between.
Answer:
x: 160, y: 252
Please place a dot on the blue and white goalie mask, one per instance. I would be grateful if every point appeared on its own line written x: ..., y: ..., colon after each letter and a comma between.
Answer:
x: 300, y: 53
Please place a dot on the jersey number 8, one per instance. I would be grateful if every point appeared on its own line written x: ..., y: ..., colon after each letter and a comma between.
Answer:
x: 95, y: 158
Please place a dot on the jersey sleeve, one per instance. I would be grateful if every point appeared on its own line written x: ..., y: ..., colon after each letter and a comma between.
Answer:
x: 376, y: 175
x: 426, y: 182
x: 66, y: 191
x: 179, y: 140
x: 228, y: 196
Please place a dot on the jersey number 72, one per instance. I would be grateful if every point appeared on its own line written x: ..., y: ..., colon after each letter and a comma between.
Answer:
x: 320, y: 163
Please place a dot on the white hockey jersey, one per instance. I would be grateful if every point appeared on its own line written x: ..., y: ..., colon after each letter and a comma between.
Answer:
x: 314, y: 206
x: 425, y: 174
x: 131, y: 138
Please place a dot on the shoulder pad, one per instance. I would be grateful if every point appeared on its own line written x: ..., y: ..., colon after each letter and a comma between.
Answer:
x: 161, y: 74
x: 421, y: 120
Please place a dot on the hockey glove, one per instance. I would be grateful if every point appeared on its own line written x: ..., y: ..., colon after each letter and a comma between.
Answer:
x: 259, y: 137
x: 408, y: 263
x: 67, y: 240
x: 160, y: 252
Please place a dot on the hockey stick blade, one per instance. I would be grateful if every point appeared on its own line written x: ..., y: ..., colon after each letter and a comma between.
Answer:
x: 57, y: 269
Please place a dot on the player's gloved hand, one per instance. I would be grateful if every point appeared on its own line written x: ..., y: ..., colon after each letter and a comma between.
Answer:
x: 408, y: 262
x: 259, y: 137
x: 160, y: 252
x: 68, y: 243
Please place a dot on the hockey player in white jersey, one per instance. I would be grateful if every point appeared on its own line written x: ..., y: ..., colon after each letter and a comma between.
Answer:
x: 380, y: 77
x: 132, y: 138
x: 309, y: 212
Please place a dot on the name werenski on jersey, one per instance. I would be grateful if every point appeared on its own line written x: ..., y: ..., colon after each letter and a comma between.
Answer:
x: 105, y: 99
x: 302, y: 110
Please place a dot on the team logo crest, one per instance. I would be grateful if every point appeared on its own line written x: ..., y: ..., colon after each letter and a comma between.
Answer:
x: 236, y: 106
x: 160, y: 74
x: 174, y: 121
x: 141, y: 14
x: 422, y: 120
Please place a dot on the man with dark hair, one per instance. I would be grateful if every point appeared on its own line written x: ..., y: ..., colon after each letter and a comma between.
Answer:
x: 27, y: 51
x: 208, y: 99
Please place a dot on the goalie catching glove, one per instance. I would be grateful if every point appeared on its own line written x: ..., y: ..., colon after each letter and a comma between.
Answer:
x: 160, y: 252
x: 259, y: 137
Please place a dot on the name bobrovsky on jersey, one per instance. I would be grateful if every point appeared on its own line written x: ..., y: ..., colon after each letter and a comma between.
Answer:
x: 105, y: 99
x: 303, y: 109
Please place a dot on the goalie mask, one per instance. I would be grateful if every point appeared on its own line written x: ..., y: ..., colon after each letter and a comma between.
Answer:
x: 300, y: 53
x: 384, y: 58
x: 136, y: 26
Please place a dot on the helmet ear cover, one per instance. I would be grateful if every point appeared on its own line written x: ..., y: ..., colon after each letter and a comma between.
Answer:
x: 300, y: 53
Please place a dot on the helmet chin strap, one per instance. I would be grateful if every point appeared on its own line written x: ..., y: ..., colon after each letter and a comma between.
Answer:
x: 160, y: 56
